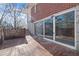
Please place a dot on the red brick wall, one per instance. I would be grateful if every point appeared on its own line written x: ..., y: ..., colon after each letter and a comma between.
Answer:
x: 46, y: 9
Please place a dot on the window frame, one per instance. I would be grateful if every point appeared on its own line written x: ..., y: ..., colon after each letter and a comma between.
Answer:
x: 50, y: 17
x: 53, y: 17
x: 63, y: 12
x: 35, y: 28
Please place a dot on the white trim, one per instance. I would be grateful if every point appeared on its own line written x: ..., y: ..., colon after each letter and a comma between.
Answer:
x: 49, y: 39
x: 44, y: 26
x: 64, y: 11
x: 33, y: 29
x: 35, y: 9
x: 43, y: 29
x: 75, y: 28
x: 66, y: 45
x: 61, y: 12
x: 39, y: 34
x: 56, y: 14
x: 54, y: 28
x: 43, y: 19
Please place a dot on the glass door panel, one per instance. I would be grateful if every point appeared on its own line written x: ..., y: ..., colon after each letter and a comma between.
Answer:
x: 64, y: 28
x: 49, y: 28
x: 39, y: 28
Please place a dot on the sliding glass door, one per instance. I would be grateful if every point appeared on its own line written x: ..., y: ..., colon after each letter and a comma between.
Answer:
x: 39, y: 29
x: 60, y: 28
x: 64, y: 28
x: 48, y: 28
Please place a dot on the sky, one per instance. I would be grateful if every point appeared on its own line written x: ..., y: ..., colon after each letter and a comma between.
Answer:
x: 22, y: 16
x: 17, y: 5
x: 21, y: 5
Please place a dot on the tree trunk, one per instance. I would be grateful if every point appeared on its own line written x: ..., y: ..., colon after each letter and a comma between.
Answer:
x: 1, y: 36
x: 15, y: 20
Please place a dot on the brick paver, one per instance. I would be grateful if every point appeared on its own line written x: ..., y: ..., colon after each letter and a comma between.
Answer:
x: 56, y: 49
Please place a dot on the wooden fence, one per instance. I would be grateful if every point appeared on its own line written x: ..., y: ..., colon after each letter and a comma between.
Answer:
x: 14, y: 33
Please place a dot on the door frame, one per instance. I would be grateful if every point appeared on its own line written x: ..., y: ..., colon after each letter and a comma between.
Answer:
x: 50, y: 17
x: 54, y: 33
x: 63, y: 12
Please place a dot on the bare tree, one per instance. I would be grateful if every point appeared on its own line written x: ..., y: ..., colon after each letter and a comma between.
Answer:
x: 11, y: 9
x: 5, y: 10
x: 15, y: 14
x: 1, y: 30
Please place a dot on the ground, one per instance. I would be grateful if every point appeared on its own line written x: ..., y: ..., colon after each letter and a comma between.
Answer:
x: 23, y: 47
x: 33, y: 46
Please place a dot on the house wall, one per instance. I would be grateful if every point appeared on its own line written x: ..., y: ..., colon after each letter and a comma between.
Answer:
x: 46, y: 9
x: 30, y: 25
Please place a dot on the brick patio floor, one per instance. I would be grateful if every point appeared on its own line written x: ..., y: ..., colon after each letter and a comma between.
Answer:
x: 33, y: 46
x: 23, y: 47
x: 56, y: 49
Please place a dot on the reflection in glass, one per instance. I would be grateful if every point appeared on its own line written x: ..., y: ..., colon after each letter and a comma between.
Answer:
x: 39, y: 28
x: 49, y: 28
x: 65, y: 28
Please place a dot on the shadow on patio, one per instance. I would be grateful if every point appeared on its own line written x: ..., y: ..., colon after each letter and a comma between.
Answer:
x: 13, y: 42
x: 33, y: 46
x: 20, y: 47
x: 56, y: 49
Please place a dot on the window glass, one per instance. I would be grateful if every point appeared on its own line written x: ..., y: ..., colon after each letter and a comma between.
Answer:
x: 64, y: 25
x: 49, y: 28
x: 39, y: 28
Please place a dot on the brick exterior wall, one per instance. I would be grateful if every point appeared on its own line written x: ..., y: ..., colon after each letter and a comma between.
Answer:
x: 46, y: 9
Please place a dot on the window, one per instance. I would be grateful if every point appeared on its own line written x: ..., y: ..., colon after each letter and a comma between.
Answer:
x: 64, y: 28
x: 49, y: 28
x: 39, y: 28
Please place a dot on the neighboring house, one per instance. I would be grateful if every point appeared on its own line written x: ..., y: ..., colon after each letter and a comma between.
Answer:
x: 55, y: 22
